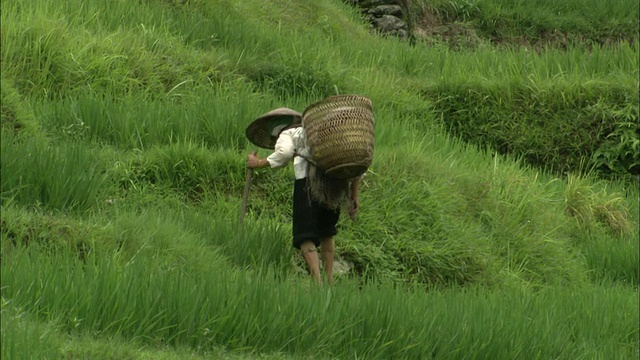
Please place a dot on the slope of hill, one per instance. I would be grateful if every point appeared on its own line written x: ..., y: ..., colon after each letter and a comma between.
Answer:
x: 123, y: 159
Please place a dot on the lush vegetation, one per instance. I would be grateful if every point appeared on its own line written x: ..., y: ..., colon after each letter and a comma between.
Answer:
x: 537, y: 22
x: 499, y: 219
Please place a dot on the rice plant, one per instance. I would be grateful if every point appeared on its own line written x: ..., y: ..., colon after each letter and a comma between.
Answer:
x: 208, y: 306
x: 56, y: 177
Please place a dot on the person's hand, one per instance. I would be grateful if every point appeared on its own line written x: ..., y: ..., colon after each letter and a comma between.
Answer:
x: 355, y: 204
x: 253, y: 161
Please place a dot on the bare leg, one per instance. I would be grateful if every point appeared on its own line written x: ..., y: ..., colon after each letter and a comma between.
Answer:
x: 327, y: 257
x: 310, y: 255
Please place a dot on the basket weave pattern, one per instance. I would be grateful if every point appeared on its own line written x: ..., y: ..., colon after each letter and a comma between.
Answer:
x: 340, y: 134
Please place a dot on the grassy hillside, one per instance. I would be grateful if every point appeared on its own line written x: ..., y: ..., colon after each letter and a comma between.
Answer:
x: 498, y: 220
x: 537, y: 23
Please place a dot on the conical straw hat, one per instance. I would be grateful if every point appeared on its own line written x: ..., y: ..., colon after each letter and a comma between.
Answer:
x: 264, y: 130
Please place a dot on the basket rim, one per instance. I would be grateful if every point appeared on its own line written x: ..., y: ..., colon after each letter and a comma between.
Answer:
x: 336, y: 99
x: 336, y: 169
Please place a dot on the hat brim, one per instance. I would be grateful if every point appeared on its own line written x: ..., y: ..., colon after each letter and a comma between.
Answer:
x: 259, y: 132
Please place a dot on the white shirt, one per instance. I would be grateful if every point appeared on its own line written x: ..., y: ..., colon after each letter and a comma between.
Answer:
x: 290, y: 143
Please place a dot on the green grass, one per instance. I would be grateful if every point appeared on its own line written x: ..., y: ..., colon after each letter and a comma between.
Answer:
x: 584, y: 21
x: 559, y: 127
x: 192, y: 77
x: 209, y: 306
x: 123, y: 164
x: 26, y: 338
x: 59, y: 177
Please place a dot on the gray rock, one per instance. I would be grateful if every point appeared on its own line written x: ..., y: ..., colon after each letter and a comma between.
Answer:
x: 387, y: 23
x: 374, y: 3
x: 380, y: 10
x: 401, y: 33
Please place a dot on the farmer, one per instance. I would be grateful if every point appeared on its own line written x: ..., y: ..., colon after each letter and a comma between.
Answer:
x: 317, y: 199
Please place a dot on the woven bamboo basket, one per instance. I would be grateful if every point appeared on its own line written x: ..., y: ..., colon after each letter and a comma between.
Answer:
x: 340, y: 134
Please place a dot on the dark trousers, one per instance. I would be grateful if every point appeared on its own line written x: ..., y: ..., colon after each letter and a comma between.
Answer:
x: 312, y: 221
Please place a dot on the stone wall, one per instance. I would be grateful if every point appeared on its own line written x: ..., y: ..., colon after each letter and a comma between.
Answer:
x: 386, y: 16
